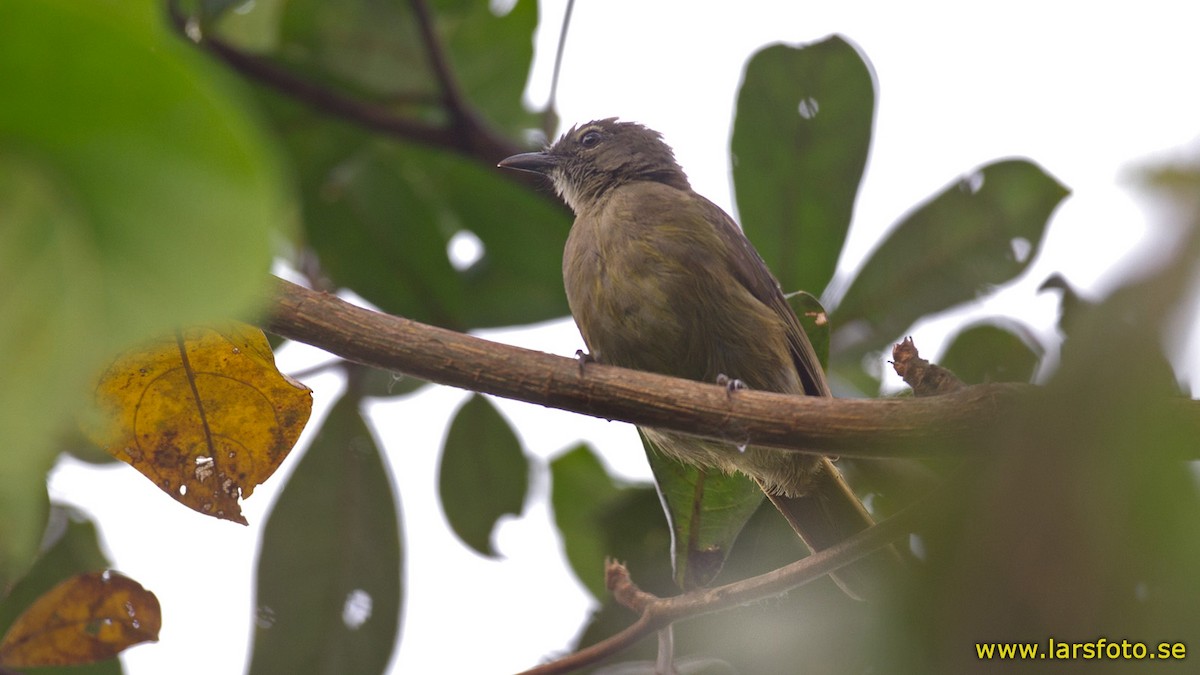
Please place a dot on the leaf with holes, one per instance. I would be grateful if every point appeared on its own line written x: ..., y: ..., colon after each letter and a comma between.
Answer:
x: 979, y: 232
x: 800, y: 142
x: 330, y: 570
x: 202, y: 412
x: 383, y: 217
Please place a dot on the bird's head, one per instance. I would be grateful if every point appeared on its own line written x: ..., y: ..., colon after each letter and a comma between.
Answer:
x: 591, y: 159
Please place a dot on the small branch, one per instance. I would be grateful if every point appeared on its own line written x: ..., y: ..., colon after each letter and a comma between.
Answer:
x: 925, y: 378
x: 657, y: 613
x: 550, y: 114
x: 847, y: 427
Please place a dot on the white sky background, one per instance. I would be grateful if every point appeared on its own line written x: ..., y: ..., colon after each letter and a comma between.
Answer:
x: 1081, y: 90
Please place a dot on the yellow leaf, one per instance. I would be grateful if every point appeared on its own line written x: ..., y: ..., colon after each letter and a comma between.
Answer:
x: 203, y: 413
x: 87, y: 618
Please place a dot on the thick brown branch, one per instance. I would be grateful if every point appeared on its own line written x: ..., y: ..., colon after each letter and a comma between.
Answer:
x: 847, y: 427
x: 655, y: 613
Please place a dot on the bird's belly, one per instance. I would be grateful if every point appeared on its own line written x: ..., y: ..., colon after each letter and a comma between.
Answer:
x: 634, y: 321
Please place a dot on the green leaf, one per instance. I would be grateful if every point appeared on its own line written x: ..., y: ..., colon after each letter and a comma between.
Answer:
x: 995, y: 351
x: 374, y: 46
x: 582, y: 490
x: 330, y: 570
x: 72, y: 548
x: 800, y: 142
x: 484, y: 473
x: 814, y: 320
x: 377, y: 49
x: 707, y: 509
x: 381, y: 216
x: 980, y: 231
x: 599, y: 519
x: 172, y: 189
x: 475, y: 35
x: 47, y: 296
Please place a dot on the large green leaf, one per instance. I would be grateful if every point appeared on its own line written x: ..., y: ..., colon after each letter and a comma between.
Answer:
x: 600, y: 519
x: 582, y: 490
x: 381, y: 215
x: 484, y: 473
x: 376, y: 48
x: 475, y: 35
x: 707, y: 509
x: 330, y: 569
x: 978, y: 232
x: 172, y: 190
x: 800, y: 141
x: 995, y: 351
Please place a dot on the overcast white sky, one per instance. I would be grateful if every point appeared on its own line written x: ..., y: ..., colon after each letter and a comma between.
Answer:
x: 1083, y: 90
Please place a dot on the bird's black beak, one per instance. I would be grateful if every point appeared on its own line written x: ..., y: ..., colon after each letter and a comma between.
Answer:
x: 535, y: 162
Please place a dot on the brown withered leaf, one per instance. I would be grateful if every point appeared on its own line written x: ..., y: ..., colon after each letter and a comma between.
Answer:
x: 87, y: 618
x: 203, y: 413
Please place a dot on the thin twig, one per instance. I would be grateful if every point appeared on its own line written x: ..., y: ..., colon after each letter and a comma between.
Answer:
x: 439, y: 61
x: 657, y: 613
x: 550, y: 114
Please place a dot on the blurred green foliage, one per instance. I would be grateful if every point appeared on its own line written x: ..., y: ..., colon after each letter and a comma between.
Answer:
x: 137, y: 191
x: 139, y: 201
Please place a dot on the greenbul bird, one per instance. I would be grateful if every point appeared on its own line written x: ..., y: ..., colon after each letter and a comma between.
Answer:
x: 660, y: 279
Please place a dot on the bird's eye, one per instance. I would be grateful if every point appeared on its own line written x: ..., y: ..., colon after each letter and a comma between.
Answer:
x: 590, y: 139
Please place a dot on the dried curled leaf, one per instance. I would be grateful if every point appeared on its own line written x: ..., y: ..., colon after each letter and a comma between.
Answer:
x: 203, y: 413
x: 87, y: 618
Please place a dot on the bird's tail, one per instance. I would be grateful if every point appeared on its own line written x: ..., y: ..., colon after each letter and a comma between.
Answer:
x: 829, y: 513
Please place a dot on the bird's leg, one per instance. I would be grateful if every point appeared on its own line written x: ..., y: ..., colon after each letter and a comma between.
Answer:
x: 583, y: 358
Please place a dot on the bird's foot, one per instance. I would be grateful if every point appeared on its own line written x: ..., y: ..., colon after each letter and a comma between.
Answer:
x: 731, y: 384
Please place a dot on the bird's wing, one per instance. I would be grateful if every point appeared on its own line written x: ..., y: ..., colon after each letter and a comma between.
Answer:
x: 750, y: 269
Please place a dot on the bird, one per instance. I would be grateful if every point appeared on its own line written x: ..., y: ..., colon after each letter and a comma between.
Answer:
x: 660, y: 279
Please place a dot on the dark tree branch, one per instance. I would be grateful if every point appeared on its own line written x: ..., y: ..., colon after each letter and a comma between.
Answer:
x: 948, y: 424
x: 467, y: 134
x: 655, y: 613
x: 439, y: 61
x: 847, y: 427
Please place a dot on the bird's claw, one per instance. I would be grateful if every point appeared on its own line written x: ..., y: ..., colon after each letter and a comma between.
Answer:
x: 583, y: 358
